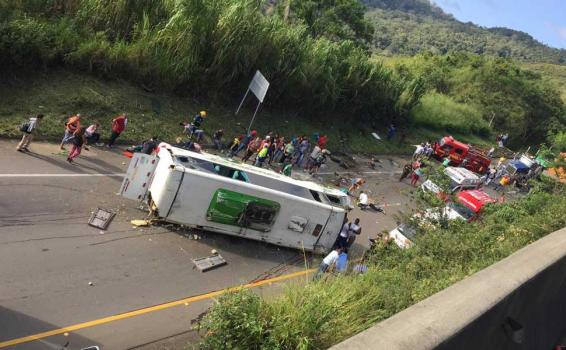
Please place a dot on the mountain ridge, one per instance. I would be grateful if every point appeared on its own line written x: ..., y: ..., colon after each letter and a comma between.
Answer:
x: 406, y: 27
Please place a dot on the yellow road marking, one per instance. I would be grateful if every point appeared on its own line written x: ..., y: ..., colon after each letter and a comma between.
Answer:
x: 146, y: 310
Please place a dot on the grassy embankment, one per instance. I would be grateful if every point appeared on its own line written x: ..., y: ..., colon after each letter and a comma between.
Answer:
x: 59, y: 93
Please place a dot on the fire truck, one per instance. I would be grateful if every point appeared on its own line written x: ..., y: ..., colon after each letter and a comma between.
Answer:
x: 461, y: 154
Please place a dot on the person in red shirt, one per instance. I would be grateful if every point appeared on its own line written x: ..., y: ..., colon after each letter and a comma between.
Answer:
x: 118, y: 126
x: 72, y: 125
x: 322, y: 141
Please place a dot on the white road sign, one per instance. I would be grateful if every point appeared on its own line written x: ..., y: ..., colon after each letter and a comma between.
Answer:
x: 259, y: 86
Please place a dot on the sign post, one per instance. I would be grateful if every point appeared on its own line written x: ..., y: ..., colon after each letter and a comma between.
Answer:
x: 258, y: 86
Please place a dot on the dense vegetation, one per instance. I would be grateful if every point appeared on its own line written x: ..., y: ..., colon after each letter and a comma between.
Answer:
x: 326, y: 312
x: 514, y: 100
x: 202, y: 47
x: 407, y: 27
x: 314, y: 55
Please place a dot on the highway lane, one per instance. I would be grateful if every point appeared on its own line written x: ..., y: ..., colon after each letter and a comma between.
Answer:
x: 48, y: 255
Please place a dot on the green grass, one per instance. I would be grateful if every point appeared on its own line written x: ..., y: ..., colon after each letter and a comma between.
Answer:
x: 59, y: 93
x: 442, y: 112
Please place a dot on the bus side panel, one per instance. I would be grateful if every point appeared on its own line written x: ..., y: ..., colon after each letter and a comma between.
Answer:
x: 196, y: 194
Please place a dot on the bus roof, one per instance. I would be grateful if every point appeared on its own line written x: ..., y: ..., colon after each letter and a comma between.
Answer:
x: 176, y: 151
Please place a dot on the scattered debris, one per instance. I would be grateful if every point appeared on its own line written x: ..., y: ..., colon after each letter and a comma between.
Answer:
x: 101, y: 218
x: 376, y: 136
x: 209, y: 262
x: 138, y: 223
x: 214, y: 252
x: 91, y: 284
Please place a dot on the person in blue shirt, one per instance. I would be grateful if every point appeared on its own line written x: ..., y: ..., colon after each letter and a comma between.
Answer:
x: 342, y: 261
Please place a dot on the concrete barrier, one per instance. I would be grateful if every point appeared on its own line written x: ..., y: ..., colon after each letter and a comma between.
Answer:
x: 517, y: 303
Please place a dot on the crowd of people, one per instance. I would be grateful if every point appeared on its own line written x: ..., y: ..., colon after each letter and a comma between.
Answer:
x: 300, y: 152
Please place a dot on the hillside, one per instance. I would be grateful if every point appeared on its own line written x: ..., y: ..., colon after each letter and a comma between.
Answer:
x: 406, y: 27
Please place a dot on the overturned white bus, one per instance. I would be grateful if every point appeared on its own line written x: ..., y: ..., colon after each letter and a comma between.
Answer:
x: 212, y: 193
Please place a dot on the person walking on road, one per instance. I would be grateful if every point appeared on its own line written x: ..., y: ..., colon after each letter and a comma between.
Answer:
x: 327, y: 262
x: 78, y: 141
x: 253, y: 147
x: 118, y: 126
x: 72, y: 125
x: 244, y: 142
x: 262, y: 155
x: 28, y: 130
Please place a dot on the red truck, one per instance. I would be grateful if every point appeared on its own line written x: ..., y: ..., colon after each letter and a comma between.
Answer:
x: 461, y: 154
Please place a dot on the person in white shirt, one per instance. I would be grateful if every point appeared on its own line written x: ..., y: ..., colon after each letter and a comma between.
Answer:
x: 363, y: 200
x: 327, y: 262
x: 342, y: 240
x: 419, y: 150
x: 28, y: 129
x: 355, y: 230
x: 91, y: 134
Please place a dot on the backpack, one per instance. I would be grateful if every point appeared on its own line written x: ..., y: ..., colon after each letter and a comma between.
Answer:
x: 24, y: 126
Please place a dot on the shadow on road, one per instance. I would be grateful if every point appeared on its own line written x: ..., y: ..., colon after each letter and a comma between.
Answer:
x: 14, y: 325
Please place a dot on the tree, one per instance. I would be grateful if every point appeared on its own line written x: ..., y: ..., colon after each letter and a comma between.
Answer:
x: 334, y: 19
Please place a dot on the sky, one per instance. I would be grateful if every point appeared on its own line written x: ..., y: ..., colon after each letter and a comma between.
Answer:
x: 545, y: 20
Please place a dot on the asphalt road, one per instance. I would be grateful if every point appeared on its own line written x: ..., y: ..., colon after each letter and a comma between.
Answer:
x: 48, y: 256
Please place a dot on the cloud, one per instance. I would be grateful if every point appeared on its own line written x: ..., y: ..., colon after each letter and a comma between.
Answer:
x: 558, y: 30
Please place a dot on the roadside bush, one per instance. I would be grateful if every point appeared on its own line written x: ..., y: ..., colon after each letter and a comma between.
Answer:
x: 236, y: 325
x: 442, y: 112
x: 326, y: 312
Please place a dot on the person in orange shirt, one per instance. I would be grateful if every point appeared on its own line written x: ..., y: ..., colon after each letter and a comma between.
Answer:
x: 72, y: 125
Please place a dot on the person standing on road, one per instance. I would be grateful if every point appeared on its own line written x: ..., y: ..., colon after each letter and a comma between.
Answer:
x: 355, y: 230
x: 28, y: 130
x: 288, y: 152
x: 342, y: 240
x: 78, y: 141
x: 72, y: 125
x: 327, y: 262
x: 118, y: 126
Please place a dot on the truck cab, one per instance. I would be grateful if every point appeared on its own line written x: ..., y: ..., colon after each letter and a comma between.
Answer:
x: 461, y: 154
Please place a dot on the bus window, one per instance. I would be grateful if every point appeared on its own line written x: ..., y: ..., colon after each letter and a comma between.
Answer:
x: 316, y: 196
x: 231, y: 173
x: 333, y: 199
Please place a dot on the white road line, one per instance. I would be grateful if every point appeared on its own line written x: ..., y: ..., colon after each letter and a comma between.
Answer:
x: 63, y: 175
